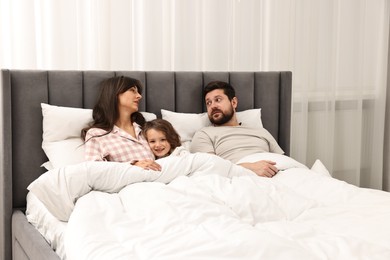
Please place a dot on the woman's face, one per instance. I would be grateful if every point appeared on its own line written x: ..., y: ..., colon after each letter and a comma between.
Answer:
x: 158, y: 143
x: 129, y: 99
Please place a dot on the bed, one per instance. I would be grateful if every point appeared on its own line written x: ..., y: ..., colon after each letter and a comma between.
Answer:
x: 199, y: 206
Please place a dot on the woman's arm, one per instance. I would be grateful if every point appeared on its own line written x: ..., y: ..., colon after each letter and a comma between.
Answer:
x: 93, y: 149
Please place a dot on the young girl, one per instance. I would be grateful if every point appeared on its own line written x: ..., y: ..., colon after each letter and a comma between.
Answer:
x: 162, y: 137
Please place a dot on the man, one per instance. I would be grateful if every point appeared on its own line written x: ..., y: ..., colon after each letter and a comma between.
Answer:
x: 228, y: 138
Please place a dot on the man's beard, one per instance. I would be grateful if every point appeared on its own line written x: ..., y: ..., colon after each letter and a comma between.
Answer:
x: 222, y: 120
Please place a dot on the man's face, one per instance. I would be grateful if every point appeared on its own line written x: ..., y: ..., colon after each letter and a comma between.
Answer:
x: 219, y: 108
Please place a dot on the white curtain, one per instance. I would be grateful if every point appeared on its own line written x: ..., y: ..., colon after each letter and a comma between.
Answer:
x: 336, y: 49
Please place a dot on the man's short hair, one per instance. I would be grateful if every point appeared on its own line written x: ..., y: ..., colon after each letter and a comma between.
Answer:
x: 228, y: 89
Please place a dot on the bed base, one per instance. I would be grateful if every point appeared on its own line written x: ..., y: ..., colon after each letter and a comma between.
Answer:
x: 27, y: 243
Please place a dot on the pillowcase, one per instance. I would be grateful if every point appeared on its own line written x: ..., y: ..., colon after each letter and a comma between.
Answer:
x: 250, y: 118
x: 320, y: 168
x: 186, y: 124
x: 62, y: 127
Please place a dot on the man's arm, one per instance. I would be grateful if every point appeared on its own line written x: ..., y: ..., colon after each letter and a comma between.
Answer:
x: 273, y: 145
x: 201, y: 142
x: 262, y: 168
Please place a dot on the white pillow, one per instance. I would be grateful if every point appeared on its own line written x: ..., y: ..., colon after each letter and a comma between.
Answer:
x: 250, y: 118
x: 320, y: 168
x: 62, y: 127
x: 186, y: 124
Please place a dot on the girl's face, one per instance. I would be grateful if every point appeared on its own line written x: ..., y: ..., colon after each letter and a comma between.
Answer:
x: 129, y: 99
x: 158, y: 143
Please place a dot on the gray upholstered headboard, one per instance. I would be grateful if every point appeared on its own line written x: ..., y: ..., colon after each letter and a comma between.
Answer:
x: 24, y: 90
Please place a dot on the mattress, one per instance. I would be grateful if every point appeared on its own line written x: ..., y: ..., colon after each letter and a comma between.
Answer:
x: 50, y: 227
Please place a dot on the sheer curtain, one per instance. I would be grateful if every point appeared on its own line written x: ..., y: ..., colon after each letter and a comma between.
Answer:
x: 336, y: 49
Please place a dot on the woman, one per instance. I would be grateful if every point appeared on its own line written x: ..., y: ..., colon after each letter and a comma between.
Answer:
x: 116, y: 132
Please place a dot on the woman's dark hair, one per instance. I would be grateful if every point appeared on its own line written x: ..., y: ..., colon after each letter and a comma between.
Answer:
x: 105, y: 113
x: 228, y: 89
x: 165, y: 127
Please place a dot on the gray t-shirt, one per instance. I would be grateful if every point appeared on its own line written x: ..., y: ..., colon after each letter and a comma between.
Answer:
x: 234, y: 142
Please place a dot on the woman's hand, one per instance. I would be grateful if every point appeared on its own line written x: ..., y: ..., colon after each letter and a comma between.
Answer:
x: 148, y: 165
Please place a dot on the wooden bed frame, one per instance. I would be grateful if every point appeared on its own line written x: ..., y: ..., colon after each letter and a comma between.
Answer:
x: 22, y: 91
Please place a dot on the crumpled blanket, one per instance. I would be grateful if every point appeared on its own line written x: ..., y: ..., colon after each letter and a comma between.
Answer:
x: 203, y: 207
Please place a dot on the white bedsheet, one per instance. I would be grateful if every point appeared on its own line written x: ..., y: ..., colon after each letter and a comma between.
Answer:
x: 215, y: 213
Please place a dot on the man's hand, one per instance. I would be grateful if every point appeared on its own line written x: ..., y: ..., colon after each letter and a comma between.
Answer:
x: 262, y: 168
x: 148, y: 165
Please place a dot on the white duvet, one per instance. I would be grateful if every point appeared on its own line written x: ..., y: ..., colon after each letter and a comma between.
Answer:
x: 203, y: 207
